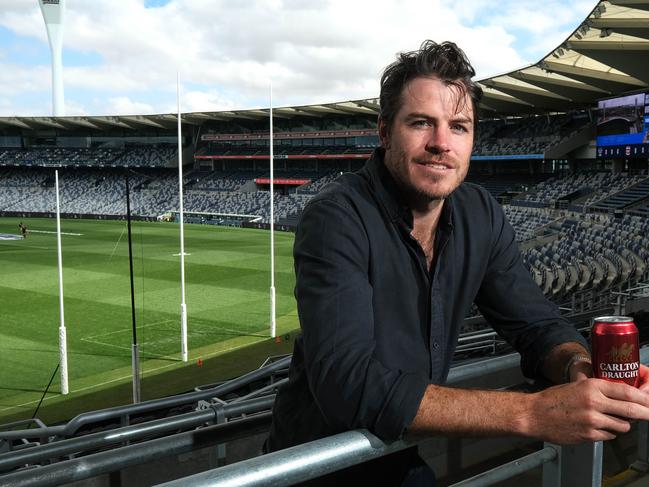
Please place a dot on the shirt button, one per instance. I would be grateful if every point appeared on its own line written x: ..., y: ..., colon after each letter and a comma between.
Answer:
x: 435, y: 345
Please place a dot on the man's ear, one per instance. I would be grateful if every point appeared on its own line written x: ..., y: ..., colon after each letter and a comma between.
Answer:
x: 384, y: 133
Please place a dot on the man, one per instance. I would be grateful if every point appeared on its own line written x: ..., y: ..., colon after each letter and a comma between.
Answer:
x: 388, y: 261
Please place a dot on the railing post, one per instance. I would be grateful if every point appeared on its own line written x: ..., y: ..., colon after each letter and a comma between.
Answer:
x: 218, y: 453
x: 575, y: 466
x: 220, y: 448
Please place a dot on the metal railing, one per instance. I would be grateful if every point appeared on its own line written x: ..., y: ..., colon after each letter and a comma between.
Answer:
x: 563, y: 466
x: 151, y: 429
x: 124, y: 413
x: 60, y: 458
x: 577, y: 466
x: 45, y: 456
x: 119, y: 458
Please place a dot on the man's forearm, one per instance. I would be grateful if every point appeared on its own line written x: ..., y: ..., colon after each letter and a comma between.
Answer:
x: 448, y: 411
x: 582, y: 410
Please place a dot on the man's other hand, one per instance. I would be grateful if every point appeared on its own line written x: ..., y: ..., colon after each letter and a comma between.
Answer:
x: 587, y: 410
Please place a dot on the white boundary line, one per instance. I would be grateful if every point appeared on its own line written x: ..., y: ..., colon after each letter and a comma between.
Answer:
x: 156, y: 323
x: 62, y: 233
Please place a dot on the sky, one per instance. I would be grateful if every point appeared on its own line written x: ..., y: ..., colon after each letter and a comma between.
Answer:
x: 122, y: 57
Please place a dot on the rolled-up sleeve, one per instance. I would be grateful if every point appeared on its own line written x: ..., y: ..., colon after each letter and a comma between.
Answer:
x: 515, y: 306
x: 351, y: 385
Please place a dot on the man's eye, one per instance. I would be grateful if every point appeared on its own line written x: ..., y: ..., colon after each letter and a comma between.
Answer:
x: 421, y: 123
x: 460, y: 128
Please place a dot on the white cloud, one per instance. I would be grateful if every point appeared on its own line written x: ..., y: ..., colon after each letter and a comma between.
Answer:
x: 315, y: 51
x: 201, y: 101
x: 19, y: 80
x: 76, y: 107
x: 122, y: 105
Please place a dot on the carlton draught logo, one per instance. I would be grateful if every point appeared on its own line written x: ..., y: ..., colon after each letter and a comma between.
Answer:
x: 619, y: 365
x: 622, y: 353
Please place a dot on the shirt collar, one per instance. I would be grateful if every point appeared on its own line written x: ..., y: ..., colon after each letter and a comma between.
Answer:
x: 390, y: 197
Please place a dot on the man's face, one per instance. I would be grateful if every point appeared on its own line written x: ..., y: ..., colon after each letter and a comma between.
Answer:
x: 429, y: 144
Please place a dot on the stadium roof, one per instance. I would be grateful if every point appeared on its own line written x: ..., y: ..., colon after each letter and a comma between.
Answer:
x: 605, y: 56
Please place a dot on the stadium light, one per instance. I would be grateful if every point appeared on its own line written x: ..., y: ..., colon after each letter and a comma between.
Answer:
x: 53, y: 14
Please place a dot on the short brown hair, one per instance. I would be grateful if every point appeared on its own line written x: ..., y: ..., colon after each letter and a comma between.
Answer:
x: 444, y: 61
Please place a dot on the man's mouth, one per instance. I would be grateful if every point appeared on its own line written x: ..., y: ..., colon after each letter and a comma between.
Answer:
x: 435, y: 165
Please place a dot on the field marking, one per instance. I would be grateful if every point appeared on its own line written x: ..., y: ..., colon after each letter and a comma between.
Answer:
x: 141, y: 352
x: 156, y: 323
x: 199, y: 322
x: 82, y: 389
x: 152, y: 355
x: 62, y: 233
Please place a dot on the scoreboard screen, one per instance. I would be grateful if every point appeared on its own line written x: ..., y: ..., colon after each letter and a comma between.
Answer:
x: 623, y: 126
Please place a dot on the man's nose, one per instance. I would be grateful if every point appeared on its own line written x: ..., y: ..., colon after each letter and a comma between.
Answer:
x: 438, y: 140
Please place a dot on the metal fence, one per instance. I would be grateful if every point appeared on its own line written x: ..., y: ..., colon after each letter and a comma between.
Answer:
x: 217, y: 422
x: 38, y: 455
x: 563, y: 466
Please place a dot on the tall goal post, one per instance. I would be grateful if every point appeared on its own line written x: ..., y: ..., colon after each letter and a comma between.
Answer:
x: 273, y: 327
x: 183, y: 306
x: 63, y: 342
x: 53, y: 13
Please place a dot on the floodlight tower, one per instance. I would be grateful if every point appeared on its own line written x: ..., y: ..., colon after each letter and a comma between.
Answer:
x: 53, y: 11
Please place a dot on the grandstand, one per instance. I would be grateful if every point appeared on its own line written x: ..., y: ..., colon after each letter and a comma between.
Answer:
x: 581, y: 220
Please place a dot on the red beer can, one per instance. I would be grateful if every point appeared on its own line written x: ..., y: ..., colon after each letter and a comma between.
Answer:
x: 616, y: 349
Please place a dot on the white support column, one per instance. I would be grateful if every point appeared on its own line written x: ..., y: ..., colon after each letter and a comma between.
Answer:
x: 53, y: 14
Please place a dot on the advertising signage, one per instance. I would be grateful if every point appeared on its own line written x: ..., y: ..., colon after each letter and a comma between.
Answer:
x: 623, y: 127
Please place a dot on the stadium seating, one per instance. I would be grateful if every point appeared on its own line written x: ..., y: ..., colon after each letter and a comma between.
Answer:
x: 132, y: 156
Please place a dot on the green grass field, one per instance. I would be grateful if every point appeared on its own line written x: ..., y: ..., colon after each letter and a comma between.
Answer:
x: 227, y: 277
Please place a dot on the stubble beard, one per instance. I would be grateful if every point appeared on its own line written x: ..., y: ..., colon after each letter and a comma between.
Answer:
x: 417, y: 194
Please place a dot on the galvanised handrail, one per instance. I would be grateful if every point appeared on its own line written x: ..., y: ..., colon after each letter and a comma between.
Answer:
x: 150, y: 429
x: 511, y: 469
x: 298, y: 463
x: 345, y: 450
x: 320, y: 457
x: 147, y: 451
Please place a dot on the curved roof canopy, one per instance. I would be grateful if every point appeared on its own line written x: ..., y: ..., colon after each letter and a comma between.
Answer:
x: 606, y: 55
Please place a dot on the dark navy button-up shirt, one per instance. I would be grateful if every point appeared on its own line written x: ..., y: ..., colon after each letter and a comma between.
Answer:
x: 379, y: 325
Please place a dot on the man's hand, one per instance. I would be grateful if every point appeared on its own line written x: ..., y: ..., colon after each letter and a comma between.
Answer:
x: 586, y: 410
